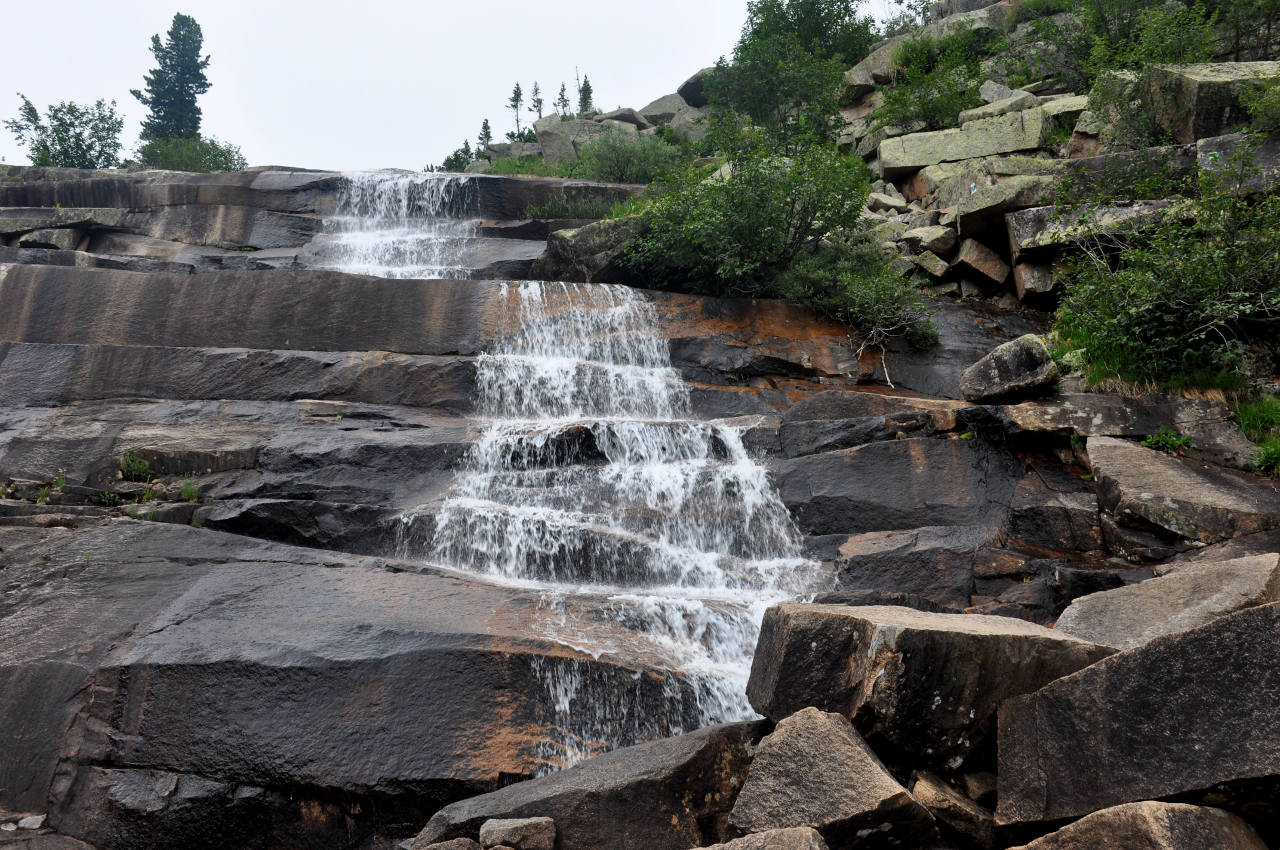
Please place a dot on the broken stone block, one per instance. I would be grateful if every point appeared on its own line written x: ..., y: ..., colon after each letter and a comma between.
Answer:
x: 981, y: 259
x: 1021, y: 366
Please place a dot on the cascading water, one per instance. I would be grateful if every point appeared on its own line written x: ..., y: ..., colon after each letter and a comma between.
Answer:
x: 401, y: 225
x: 591, y: 480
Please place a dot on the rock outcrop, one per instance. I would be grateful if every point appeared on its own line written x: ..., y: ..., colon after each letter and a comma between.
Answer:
x: 1153, y: 826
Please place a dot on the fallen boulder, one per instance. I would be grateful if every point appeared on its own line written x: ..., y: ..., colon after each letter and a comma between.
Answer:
x: 1143, y: 487
x: 1187, y: 598
x: 519, y: 833
x: 924, y: 685
x: 1153, y: 826
x: 955, y: 810
x: 814, y: 770
x: 1192, y: 714
x: 797, y: 838
x: 672, y: 793
x: 1020, y: 367
x: 1014, y: 131
x: 1204, y: 100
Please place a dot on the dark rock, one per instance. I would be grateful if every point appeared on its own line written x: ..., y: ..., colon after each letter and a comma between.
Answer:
x: 1137, y: 485
x: 519, y: 833
x: 955, y: 810
x: 453, y: 844
x: 798, y: 838
x: 1203, y: 100
x: 673, y: 794
x: 903, y: 484
x: 854, y: 404
x: 1055, y: 510
x: 877, y: 597
x: 692, y: 89
x: 1020, y: 367
x: 982, y: 260
x: 1153, y: 826
x: 927, y: 685
x: 814, y: 770
x: 810, y: 437
x: 1190, y: 596
x: 933, y: 562
x: 1139, y: 726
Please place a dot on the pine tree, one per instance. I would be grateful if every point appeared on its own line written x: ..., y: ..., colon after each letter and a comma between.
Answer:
x: 562, y: 103
x: 585, y: 95
x: 174, y: 84
x: 535, y: 100
x: 514, y: 104
x: 484, y: 139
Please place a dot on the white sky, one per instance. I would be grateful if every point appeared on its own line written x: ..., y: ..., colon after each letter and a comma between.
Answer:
x: 367, y: 84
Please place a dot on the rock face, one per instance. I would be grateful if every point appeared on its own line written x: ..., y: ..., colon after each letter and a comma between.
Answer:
x: 1187, y: 598
x: 815, y: 771
x: 915, y: 683
x: 1014, y: 131
x: 595, y: 252
x: 1200, y: 101
x: 799, y: 838
x: 562, y: 141
x: 1137, y: 485
x: 519, y: 833
x: 1019, y: 367
x: 1101, y: 737
x: 673, y: 794
x: 1153, y: 826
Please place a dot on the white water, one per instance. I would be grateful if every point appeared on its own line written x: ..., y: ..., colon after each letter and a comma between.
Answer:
x: 401, y: 225
x: 591, y: 481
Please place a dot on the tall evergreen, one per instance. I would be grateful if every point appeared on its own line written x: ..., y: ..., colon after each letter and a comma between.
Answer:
x: 514, y: 104
x: 536, y: 101
x: 585, y: 96
x: 562, y: 103
x: 174, y: 84
x: 484, y: 139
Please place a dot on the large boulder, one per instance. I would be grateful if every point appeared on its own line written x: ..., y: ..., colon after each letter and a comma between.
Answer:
x: 662, y: 110
x: 954, y: 809
x: 1144, y: 487
x: 562, y: 141
x: 1204, y: 100
x: 897, y: 485
x: 1021, y: 367
x: 1189, y: 597
x: 693, y: 90
x: 594, y: 253
x: 796, y: 838
x: 1153, y: 826
x: 1194, y: 715
x: 935, y: 563
x: 922, y: 685
x: 1013, y: 131
x: 815, y: 771
x: 674, y: 793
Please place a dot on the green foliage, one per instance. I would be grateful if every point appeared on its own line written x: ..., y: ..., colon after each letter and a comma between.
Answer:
x: 484, y: 139
x: 733, y: 235
x: 515, y: 104
x: 584, y: 207
x: 174, y: 84
x: 911, y: 15
x: 134, y: 468
x: 459, y: 159
x: 1035, y: 10
x: 937, y: 79
x: 828, y: 29
x: 1259, y: 417
x: 71, y: 136
x: 586, y: 96
x: 1263, y: 104
x: 108, y: 499
x: 562, y: 104
x: 1267, y: 459
x: 1248, y: 28
x: 1179, y: 304
x: 60, y: 482
x: 42, y: 495
x: 190, y: 492
x: 620, y: 158
x: 1168, y: 440
x: 536, y: 101
x: 854, y: 285
x: 192, y: 154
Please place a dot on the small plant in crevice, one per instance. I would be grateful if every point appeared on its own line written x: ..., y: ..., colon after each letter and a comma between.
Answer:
x: 109, y: 499
x: 134, y: 468
x: 60, y: 482
x: 190, y: 492
x: 42, y: 495
x: 1259, y: 419
x: 1169, y: 441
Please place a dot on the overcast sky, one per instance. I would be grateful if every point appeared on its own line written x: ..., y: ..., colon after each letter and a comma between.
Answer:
x: 365, y: 84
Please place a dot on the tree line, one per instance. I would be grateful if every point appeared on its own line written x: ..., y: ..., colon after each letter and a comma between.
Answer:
x: 536, y: 104
x: 73, y: 135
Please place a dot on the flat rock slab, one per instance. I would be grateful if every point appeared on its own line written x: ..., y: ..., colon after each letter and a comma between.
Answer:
x: 814, y: 770
x: 935, y: 563
x: 655, y: 796
x: 1195, y: 714
x: 797, y: 838
x: 1153, y: 826
x: 926, y: 685
x: 897, y: 485
x: 1185, y: 599
x: 1137, y: 485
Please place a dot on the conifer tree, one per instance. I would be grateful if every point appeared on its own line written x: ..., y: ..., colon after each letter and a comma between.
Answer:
x: 484, y: 139
x: 535, y: 100
x: 514, y: 104
x: 562, y: 102
x: 585, y: 95
x: 174, y: 84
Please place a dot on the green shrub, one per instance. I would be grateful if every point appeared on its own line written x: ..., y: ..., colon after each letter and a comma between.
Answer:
x: 1168, y: 440
x: 190, y: 492
x: 1263, y: 105
x: 937, y: 79
x: 1032, y: 10
x: 1267, y: 459
x: 1179, y: 305
x: 1259, y: 418
x: 731, y: 235
x: 192, y: 154
x: 620, y: 158
x: 134, y: 468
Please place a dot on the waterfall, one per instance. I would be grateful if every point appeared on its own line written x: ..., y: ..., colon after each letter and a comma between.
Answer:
x: 591, y: 480
x: 401, y: 225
